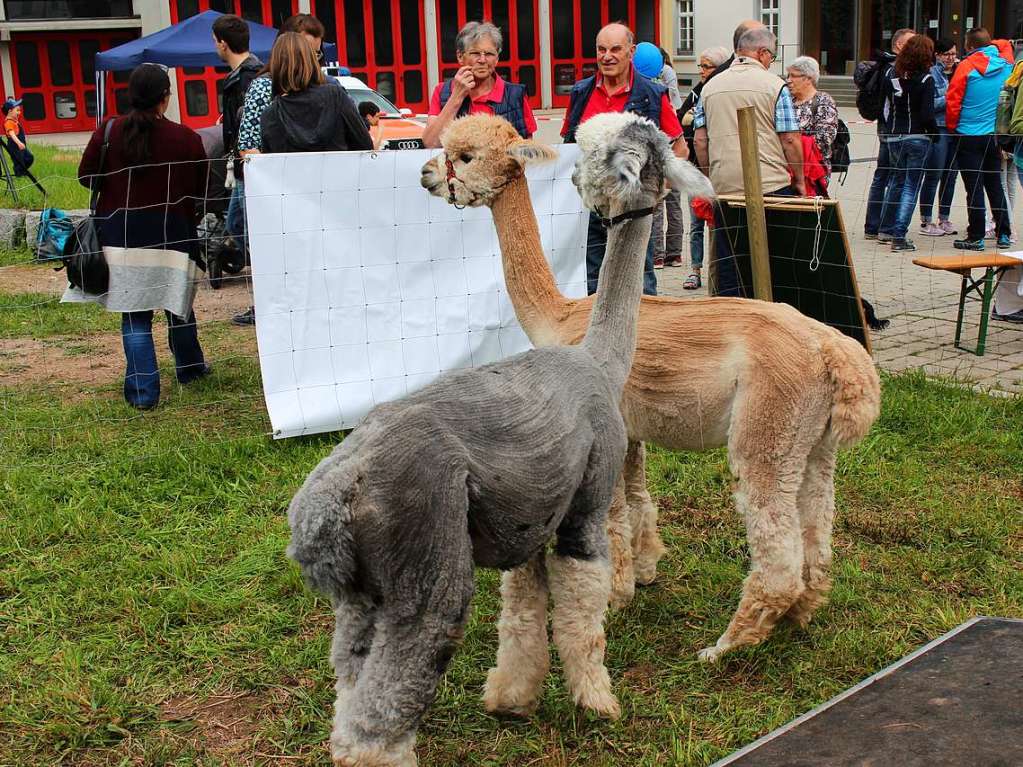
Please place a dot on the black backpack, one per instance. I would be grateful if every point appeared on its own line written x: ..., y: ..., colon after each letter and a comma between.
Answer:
x: 840, y: 149
x: 870, y: 97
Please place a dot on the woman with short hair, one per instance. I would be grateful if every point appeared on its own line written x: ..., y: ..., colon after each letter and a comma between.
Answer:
x: 153, y: 171
x: 817, y: 111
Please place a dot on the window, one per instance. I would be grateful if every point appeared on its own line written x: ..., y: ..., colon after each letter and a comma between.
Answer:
x: 68, y: 9
x: 770, y: 16
x: 197, y: 101
x: 685, y: 28
x: 64, y: 105
x: 33, y: 107
x: 26, y: 59
x: 413, y: 83
x: 59, y: 54
x: 355, y: 33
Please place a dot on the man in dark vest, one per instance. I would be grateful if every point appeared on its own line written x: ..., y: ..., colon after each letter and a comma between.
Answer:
x: 477, y: 88
x: 617, y: 88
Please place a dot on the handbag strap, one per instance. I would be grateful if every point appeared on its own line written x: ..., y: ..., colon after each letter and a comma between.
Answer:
x: 97, y: 179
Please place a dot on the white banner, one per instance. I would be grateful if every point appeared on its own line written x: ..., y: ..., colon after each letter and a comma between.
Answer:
x: 367, y: 287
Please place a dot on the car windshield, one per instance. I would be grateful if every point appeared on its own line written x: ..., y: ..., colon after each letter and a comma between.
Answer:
x: 358, y: 96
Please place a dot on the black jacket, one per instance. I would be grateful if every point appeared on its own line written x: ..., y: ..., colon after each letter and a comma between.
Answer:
x: 235, y: 86
x: 909, y: 105
x: 322, y: 118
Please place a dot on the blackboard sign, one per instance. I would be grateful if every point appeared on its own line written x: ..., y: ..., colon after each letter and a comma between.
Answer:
x: 811, y: 265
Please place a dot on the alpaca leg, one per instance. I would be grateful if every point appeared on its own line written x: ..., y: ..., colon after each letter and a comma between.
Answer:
x: 817, y: 516
x: 353, y: 635
x: 580, y: 590
x: 623, y: 579
x: 415, y: 634
x: 647, y: 548
x: 523, y: 655
x: 775, y: 581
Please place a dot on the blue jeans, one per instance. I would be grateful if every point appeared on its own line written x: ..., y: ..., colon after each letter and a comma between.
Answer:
x: 940, y: 177
x: 908, y: 158
x: 878, y: 187
x: 696, y: 229
x: 142, y: 375
x: 236, y: 213
x: 596, y: 244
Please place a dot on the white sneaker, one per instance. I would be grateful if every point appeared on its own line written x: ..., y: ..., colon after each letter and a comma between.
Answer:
x: 990, y: 234
x: 932, y: 230
x: 947, y: 227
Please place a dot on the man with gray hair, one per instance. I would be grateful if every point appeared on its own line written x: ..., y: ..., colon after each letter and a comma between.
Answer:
x: 477, y: 88
x: 747, y: 82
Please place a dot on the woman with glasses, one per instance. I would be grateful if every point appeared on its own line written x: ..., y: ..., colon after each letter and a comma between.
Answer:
x: 477, y: 88
x: 711, y: 60
x: 940, y: 174
x: 152, y: 172
x: 817, y: 112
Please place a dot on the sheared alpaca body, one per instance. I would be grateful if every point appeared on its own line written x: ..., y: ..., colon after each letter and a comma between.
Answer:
x: 781, y: 390
x: 481, y: 468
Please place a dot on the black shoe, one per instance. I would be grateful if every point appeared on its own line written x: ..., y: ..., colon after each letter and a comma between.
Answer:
x: 902, y: 244
x: 246, y: 318
x: 1015, y: 317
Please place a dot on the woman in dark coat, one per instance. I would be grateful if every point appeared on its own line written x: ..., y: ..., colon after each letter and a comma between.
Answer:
x: 153, y: 172
x: 308, y: 114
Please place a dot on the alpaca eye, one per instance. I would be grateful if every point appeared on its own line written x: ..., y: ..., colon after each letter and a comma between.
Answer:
x: 464, y: 157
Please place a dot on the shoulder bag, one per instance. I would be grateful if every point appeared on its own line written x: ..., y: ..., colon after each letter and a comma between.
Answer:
x: 83, y: 252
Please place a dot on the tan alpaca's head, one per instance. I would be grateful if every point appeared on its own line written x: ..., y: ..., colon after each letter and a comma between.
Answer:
x: 481, y: 155
x: 624, y: 162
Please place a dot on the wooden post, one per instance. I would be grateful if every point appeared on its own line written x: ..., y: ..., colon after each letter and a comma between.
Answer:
x: 756, y: 216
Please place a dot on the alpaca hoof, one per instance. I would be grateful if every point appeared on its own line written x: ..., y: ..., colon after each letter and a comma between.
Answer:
x: 500, y: 696
x: 710, y: 654
x: 646, y: 573
x: 604, y: 705
x: 621, y: 596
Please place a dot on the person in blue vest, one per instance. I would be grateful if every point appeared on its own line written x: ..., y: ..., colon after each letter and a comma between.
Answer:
x: 615, y: 88
x: 477, y: 88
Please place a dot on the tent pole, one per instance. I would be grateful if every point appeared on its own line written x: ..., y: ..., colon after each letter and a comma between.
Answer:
x: 101, y: 77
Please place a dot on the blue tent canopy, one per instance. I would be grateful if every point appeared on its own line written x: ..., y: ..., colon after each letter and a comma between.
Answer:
x: 188, y: 44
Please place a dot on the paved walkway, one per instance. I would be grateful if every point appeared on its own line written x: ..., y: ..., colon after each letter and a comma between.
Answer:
x: 920, y: 303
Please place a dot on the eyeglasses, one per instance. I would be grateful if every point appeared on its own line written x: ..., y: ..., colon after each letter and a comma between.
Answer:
x: 488, y: 55
x: 707, y: 66
x: 794, y: 75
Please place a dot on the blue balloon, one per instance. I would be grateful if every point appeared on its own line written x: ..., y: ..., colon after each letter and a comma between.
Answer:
x: 648, y: 60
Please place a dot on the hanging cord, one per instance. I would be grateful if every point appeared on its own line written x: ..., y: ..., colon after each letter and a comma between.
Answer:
x: 818, y: 208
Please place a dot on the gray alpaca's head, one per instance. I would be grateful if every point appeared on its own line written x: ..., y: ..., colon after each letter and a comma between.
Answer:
x: 625, y: 162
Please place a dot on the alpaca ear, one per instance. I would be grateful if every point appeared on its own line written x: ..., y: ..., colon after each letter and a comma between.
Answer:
x: 627, y: 164
x: 529, y: 151
x: 683, y: 176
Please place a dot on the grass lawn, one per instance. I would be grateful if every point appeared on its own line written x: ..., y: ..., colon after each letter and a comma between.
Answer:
x: 57, y: 170
x: 148, y: 615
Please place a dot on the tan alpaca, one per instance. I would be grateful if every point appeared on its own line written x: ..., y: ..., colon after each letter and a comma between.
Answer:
x: 781, y: 390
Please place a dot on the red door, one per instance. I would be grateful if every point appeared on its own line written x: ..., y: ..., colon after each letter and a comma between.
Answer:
x: 574, y: 27
x: 199, y: 88
x: 54, y: 75
x: 383, y: 43
x: 517, y: 20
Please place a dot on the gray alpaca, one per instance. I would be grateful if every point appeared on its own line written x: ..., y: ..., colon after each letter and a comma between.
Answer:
x: 482, y: 467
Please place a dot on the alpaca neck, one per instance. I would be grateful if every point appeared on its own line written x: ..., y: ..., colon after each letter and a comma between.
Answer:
x: 527, y: 275
x: 611, y: 335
